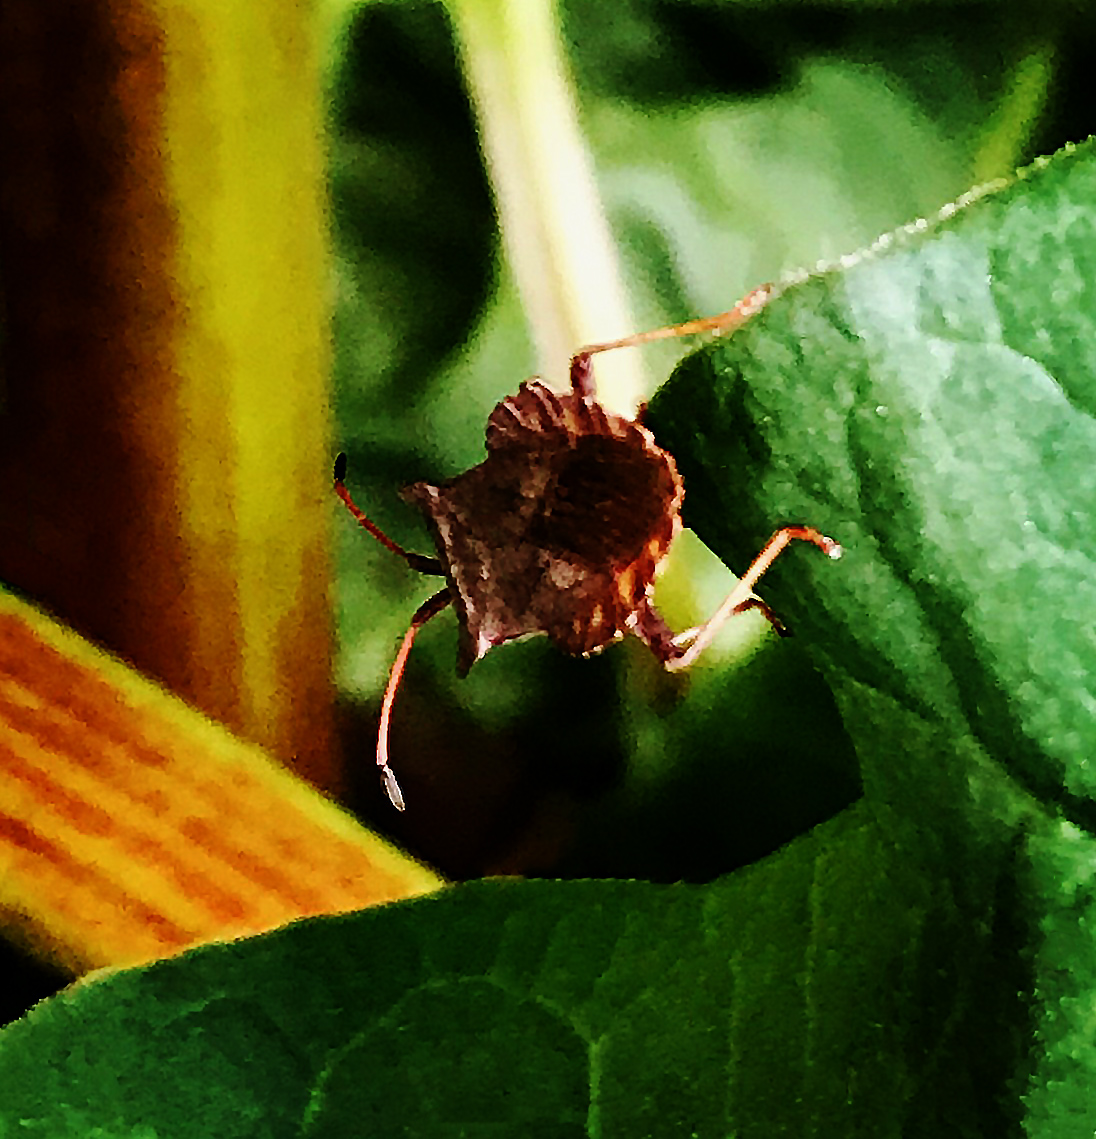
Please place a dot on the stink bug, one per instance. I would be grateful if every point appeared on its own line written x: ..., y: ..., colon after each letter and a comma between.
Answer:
x: 561, y: 528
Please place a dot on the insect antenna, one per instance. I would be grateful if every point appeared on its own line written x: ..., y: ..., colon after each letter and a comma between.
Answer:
x: 425, y: 611
x: 419, y: 562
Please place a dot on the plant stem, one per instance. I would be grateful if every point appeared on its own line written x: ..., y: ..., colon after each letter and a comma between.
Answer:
x: 554, y: 227
x: 1007, y: 131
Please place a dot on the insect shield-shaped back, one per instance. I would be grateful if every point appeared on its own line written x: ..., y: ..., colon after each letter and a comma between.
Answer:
x: 559, y: 530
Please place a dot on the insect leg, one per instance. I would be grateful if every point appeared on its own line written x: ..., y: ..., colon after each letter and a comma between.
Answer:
x: 671, y: 648
x: 420, y: 562
x: 743, y: 591
x: 677, y: 652
x: 581, y: 372
x: 765, y: 610
x: 428, y: 609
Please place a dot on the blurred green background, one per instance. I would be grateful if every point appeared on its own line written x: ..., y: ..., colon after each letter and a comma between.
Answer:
x: 733, y: 143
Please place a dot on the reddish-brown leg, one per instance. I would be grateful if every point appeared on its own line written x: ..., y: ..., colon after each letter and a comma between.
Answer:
x: 650, y: 627
x: 678, y: 652
x: 428, y: 609
x: 582, y: 377
x: 765, y: 610
x: 420, y: 562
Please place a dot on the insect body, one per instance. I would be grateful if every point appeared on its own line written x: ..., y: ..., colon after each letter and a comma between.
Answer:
x: 560, y: 531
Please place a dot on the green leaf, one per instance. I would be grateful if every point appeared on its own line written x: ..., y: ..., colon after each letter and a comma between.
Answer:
x: 931, y: 405
x: 810, y: 991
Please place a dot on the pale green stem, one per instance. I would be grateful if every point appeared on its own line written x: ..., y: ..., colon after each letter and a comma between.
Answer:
x: 556, y: 235
x: 1009, y: 128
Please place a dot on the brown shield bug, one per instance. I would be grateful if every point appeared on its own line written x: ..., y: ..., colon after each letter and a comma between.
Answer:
x: 561, y: 528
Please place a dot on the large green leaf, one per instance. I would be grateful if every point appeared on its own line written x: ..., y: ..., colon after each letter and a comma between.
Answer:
x: 920, y: 965
x: 815, y: 989
x: 931, y: 404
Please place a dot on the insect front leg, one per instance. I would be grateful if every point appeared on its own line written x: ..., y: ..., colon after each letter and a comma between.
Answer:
x: 686, y: 639
x: 582, y: 376
x: 679, y: 651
